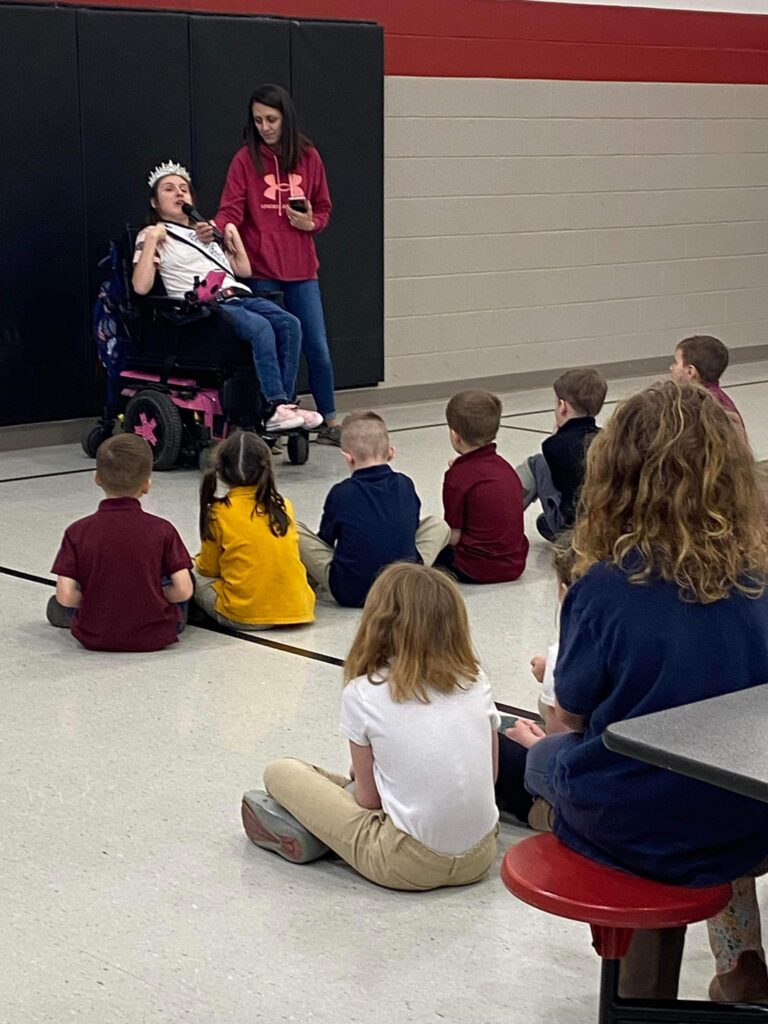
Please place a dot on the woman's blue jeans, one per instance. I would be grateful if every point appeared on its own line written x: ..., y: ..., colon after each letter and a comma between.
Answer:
x: 540, y: 763
x: 275, y: 338
x: 302, y: 298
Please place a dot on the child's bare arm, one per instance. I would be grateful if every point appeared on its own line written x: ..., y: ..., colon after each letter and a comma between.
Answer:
x: 538, y: 667
x: 366, y: 793
x: 68, y: 592
x: 455, y: 538
x: 180, y: 588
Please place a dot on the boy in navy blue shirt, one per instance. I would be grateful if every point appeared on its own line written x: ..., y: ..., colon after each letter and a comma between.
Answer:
x: 370, y: 520
x: 555, y: 476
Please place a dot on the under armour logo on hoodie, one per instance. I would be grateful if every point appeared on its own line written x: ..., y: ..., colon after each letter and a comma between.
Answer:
x: 275, y: 187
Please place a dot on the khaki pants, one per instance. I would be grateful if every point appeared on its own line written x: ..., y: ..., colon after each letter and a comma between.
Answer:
x: 367, y: 840
x: 205, y: 597
x: 432, y: 535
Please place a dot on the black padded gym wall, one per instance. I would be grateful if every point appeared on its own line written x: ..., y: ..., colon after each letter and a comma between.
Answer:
x: 337, y: 83
x: 43, y: 295
x: 135, y: 113
x: 97, y: 98
x: 229, y: 58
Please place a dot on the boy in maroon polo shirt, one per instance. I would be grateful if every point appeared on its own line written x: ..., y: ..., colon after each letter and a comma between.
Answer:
x: 704, y: 359
x: 482, y: 496
x: 112, y: 566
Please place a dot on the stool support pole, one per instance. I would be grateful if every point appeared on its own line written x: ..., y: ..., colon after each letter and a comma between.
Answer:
x: 615, y: 1010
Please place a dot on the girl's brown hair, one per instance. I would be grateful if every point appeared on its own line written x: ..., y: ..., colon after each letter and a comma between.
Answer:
x: 564, y: 558
x: 415, y: 626
x: 672, y: 479
x: 243, y: 460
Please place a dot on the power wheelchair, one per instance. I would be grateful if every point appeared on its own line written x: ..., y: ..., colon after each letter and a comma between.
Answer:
x: 176, y: 373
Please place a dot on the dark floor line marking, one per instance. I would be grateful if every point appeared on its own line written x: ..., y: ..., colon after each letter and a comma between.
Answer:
x: 420, y: 426
x: 17, y: 574
x: 430, y: 426
x: 745, y: 384
x: 528, y: 430
x: 261, y: 641
x: 550, y: 410
x: 42, y: 476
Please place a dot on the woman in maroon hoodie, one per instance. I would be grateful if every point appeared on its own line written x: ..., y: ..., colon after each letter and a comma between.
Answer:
x: 277, y: 197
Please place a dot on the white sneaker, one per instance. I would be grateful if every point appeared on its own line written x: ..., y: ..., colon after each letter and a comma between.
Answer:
x: 312, y: 420
x: 284, y: 418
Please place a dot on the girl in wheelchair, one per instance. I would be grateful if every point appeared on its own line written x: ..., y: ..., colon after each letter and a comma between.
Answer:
x: 170, y: 245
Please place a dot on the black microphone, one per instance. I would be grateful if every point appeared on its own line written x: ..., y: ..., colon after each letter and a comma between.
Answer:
x: 198, y: 218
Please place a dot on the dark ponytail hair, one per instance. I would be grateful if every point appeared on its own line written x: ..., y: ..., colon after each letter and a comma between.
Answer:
x: 243, y: 460
x: 292, y: 143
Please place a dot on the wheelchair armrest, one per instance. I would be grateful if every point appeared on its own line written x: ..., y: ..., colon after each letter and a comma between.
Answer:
x: 177, y: 311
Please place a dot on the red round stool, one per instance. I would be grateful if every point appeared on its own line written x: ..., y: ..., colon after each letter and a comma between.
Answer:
x: 544, y: 873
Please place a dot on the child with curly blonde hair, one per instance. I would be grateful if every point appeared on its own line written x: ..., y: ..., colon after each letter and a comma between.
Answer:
x: 669, y: 607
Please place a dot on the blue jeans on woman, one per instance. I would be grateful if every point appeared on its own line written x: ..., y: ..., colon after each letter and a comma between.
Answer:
x: 540, y: 763
x: 275, y: 338
x: 302, y: 298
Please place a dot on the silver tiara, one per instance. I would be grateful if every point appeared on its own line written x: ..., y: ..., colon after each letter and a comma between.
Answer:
x: 163, y: 170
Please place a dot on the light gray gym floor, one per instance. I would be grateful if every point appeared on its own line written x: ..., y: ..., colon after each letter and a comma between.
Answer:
x: 129, y: 893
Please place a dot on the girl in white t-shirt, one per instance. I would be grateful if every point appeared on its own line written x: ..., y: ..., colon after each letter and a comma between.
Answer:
x: 421, y: 724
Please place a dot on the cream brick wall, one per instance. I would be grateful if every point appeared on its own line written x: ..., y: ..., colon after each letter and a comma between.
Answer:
x: 533, y: 225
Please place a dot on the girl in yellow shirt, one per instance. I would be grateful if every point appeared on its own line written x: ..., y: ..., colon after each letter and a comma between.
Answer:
x: 249, y: 574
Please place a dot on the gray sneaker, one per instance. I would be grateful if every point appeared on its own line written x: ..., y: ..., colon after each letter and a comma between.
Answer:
x: 329, y: 435
x: 58, y: 615
x: 268, y: 825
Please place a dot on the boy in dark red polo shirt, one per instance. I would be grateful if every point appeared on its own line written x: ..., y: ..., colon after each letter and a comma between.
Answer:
x: 704, y: 359
x: 482, y: 496
x: 112, y: 566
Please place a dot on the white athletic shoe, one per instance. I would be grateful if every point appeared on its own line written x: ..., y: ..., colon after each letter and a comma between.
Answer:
x: 284, y: 417
x: 312, y: 420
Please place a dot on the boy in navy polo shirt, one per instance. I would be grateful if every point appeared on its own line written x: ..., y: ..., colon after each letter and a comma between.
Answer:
x: 482, y: 496
x: 111, y: 565
x: 370, y: 520
x: 555, y: 476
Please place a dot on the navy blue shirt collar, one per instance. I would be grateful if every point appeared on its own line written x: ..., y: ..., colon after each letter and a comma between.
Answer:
x: 578, y: 423
x: 373, y: 472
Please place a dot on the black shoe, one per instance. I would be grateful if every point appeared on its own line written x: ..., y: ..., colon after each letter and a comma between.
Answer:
x: 58, y: 615
x: 544, y: 529
x: 329, y: 435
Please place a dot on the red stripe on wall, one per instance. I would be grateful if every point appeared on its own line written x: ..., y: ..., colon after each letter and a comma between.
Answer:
x: 601, y: 62
x: 525, y: 39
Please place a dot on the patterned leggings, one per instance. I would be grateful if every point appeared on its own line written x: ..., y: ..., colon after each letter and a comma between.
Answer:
x: 737, y: 928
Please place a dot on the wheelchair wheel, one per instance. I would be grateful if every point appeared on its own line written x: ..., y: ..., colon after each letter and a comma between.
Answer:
x: 298, y: 449
x: 93, y: 436
x: 151, y: 414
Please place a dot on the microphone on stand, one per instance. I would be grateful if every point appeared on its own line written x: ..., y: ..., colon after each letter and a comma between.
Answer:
x: 198, y: 218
